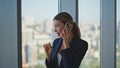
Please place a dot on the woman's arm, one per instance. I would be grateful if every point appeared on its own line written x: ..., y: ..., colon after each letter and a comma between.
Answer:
x: 72, y: 57
x: 50, y: 63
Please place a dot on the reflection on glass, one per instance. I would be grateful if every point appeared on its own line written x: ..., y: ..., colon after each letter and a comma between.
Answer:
x: 36, y: 30
x: 89, y: 23
x: 118, y: 34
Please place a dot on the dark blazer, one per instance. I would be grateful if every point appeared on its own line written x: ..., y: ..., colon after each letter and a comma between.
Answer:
x: 71, y: 57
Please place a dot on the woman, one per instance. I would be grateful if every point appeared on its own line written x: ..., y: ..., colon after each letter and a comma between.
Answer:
x: 69, y: 49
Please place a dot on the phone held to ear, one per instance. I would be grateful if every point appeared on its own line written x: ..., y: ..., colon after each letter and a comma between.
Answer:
x: 68, y: 26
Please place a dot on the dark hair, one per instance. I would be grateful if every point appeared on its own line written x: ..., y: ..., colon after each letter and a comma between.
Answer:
x: 65, y: 17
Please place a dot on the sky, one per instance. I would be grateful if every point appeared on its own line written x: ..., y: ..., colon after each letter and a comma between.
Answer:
x: 89, y: 10
x: 40, y: 9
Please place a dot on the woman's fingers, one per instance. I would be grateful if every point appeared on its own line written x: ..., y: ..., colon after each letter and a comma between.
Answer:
x: 67, y: 32
x: 48, y: 50
x: 47, y: 47
x: 62, y: 34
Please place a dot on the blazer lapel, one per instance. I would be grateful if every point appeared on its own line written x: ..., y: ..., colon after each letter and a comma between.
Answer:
x: 57, y: 46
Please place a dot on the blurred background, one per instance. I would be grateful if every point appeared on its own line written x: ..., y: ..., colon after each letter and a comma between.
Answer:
x: 37, y: 28
x: 25, y: 25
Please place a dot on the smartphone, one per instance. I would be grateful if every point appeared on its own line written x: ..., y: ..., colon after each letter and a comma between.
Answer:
x: 66, y: 25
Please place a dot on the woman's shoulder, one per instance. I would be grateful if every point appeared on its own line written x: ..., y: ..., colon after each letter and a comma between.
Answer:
x: 84, y: 41
x: 57, y: 39
x: 79, y: 41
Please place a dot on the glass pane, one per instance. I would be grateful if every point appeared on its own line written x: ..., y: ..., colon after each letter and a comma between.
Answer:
x: 118, y: 35
x: 36, y: 30
x: 89, y: 23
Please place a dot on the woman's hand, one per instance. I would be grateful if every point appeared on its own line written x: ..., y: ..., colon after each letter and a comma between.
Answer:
x: 66, y: 35
x: 48, y: 51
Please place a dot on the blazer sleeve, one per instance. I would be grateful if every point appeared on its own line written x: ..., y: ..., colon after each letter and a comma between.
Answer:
x: 49, y: 64
x: 72, y: 57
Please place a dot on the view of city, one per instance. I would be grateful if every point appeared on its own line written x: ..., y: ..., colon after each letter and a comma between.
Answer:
x: 91, y: 32
x: 37, y: 30
x: 89, y: 23
x: 34, y: 36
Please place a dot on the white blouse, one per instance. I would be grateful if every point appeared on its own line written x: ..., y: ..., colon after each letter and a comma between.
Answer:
x: 59, y: 58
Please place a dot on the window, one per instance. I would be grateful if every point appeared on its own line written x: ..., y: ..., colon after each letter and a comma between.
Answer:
x: 89, y: 23
x: 118, y: 34
x: 36, y: 30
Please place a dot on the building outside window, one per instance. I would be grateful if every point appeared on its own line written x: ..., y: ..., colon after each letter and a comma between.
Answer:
x: 37, y: 26
x: 89, y: 23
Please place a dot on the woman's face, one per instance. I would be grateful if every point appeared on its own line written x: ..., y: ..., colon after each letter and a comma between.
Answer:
x: 58, y: 27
